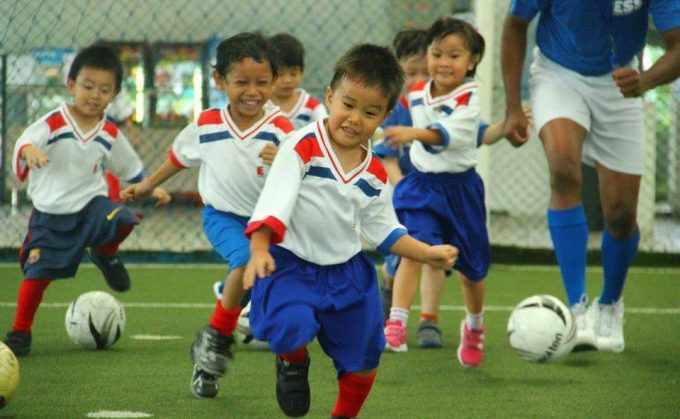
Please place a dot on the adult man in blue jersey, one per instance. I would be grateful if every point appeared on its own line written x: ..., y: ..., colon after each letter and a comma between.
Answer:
x: 585, y: 90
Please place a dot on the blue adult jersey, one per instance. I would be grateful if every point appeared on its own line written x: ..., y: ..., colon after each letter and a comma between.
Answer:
x: 593, y: 36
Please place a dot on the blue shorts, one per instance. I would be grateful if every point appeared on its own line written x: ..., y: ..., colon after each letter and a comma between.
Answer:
x: 439, y: 208
x: 55, y: 243
x: 226, y: 233
x: 338, y: 304
x: 391, y: 264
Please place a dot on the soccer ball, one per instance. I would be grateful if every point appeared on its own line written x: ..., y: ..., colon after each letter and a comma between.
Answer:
x: 95, y: 320
x: 541, y: 329
x: 243, y: 333
x: 9, y: 374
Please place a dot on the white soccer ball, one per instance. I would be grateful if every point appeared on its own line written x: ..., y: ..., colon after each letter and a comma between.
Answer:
x: 9, y: 374
x: 95, y: 320
x: 541, y: 329
x: 244, y: 335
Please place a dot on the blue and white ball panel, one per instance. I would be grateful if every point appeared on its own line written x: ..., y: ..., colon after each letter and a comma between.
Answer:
x: 226, y: 233
x: 447, y: 208
x: 338, y: 304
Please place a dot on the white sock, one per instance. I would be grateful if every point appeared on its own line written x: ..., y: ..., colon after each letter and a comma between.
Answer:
x: 474, y: 321
x: 400, y: 314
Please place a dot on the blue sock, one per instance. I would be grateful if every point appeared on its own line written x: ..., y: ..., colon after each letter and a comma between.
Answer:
x: 569, y: 232
x: 616, y: 258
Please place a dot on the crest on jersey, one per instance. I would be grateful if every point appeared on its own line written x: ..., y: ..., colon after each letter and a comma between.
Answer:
x: 33, y: 256
x: 626, y: 7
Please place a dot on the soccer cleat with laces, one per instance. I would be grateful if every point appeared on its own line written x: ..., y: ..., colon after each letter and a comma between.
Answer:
x: 585, y: 318
x: 19, y: 342
x: 211, y: 351
x: 292, y: 387
x: 471, y: 349
x: 203, y: 385
x: 609, y: 326
x: 395, y: 336
x: 114, y: 271
x: 429, y: 335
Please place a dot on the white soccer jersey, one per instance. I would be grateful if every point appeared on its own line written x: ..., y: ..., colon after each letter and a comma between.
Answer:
x: 316, y: 210
x: 306, y: 110
x: 231, y: 171
x: 74, y: 175
x: 456, y: 115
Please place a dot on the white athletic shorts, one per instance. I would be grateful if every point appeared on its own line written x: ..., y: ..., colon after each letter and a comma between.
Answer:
x: 615, y: 124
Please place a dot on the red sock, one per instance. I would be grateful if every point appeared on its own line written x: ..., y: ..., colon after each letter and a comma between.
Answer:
x: 353, y: 392
x: 428, y: 316
x: 111, y: 249
x: 30, y: 295
x: 223, y: 320
x: 296, y: 356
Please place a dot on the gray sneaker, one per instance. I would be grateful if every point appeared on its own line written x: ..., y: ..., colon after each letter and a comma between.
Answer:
x: 203, y: 385
x: 211, y: 351
x: 429, y: 335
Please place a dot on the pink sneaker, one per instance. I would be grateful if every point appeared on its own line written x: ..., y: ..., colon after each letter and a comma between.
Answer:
x: 471, y: 348
x: 395, y: 335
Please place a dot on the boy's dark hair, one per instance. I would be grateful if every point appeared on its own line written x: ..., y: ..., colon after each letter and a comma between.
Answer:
x: 289, y: 50
x: 409, y: 42
x: 374, y: 66
x: 244, y: 45
x: 445, y: 26
x: 99, y: 57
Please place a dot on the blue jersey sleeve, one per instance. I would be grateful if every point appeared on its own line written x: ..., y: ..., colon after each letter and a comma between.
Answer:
x: 483, y: 125
x: 400, y: 116
x: 524, y: 8
x: 666, y: 14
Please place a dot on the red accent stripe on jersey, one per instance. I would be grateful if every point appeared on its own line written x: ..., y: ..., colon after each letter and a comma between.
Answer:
x: 419, y: 86
x: 470, y: 89
x: 21, y: 174
x: 404, y: 101
x: 312, y: 103
x: 209, y: 117
x: 174, y: 160
x: 308, y: 147
x: 111, y: 128
x: 376, y: 168
x: 278, y: 228
x: 283, y: 124
x: 55, y: 121
x: 464, y: 99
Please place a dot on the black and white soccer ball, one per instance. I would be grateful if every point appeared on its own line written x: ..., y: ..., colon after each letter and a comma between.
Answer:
x: 9, y: 375
x: 541, y: 329
x: 244, y: 335
x: 95, y: 320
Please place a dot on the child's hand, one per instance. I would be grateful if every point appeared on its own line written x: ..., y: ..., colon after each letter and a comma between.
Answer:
x: 398, y: 135
x: 268, y: 153
x: 135, y: 191
x: 442, y: 256
x: 161, y: 196
x: 260, y: 265
x: 35, y: 157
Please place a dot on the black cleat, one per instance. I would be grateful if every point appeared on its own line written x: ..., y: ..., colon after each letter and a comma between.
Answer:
x: 114, y: 271
x: 19, y: 342
x: 292, y: 387
x: 211, y: 351
x: 203, y: 385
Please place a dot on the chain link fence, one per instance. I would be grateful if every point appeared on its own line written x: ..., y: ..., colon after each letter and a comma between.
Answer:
x: 167, y: 46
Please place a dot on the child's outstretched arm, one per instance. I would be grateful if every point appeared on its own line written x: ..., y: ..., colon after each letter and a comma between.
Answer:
x: 34, y: 156
x: 397, y: 135
x: 149, y: 184
x: 261, y: 263
x: 441, y: 256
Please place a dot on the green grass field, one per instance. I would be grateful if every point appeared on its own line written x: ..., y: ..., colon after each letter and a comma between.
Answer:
x: 61, y: 381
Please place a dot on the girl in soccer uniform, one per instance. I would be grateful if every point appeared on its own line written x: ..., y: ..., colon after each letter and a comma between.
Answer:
x: 442, y: 200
